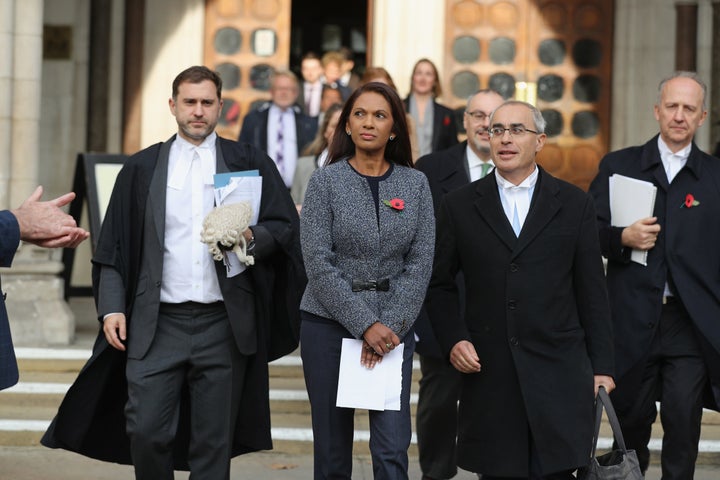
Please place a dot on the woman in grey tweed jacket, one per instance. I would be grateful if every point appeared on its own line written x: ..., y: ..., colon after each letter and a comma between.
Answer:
x: 367, y: 232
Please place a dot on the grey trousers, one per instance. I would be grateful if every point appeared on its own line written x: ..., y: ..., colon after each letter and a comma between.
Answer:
x: 194, y: 350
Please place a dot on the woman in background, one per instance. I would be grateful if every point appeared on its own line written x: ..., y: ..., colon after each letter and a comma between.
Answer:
x: 315, y: 155
x: 434, y: 123
x: 367, y: 234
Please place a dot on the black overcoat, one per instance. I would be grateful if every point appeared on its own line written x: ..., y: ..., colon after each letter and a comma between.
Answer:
x: 446, y: 171
x: 537, y: 314
x: 91, y: 419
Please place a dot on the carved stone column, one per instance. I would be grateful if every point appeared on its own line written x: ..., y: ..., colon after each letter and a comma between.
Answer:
x: 6, y: 60
x: 38, y: 313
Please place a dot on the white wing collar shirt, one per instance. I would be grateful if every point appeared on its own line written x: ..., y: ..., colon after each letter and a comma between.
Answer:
x: 673, y: 162
x: 516, y: 198
x: 188, y: 268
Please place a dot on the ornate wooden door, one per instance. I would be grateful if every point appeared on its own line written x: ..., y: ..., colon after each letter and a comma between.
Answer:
x: 245, y: 40
x: 555, y: 54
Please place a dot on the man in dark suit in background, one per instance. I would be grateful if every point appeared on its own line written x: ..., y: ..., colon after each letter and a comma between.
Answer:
x: 447, y: 170
x: 310, y: 91
x: 45, y: 225
x: 191, y: 333
x: 349, y: 78
x: 279, y: 127
x: 666, y: 315
x: 535, y: 339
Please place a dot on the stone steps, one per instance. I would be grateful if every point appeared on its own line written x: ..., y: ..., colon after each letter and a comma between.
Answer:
x: 26, y: 409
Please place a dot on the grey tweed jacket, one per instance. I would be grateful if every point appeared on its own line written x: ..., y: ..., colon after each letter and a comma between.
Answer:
x: 343, y: 239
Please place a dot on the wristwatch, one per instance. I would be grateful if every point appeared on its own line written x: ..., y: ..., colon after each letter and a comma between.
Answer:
x: 251, y: 244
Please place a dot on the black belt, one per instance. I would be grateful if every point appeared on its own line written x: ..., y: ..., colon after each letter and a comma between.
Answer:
x: 382, y: 285
x: 191, y: 306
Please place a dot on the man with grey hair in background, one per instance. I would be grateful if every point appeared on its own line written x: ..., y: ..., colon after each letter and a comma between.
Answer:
x: 448, y: 170
x: 665, y: 314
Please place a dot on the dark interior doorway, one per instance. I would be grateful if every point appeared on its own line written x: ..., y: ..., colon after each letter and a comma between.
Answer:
x: 323, y: 25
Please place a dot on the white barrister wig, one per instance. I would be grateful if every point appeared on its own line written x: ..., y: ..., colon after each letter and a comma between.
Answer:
x: 222, y: 231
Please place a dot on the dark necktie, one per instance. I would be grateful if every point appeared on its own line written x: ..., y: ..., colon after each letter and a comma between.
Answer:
x: 279, y: 160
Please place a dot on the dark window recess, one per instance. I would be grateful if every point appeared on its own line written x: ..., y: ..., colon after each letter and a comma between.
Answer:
x: 554, y: 121
x: 587, y: 53
x: 550, y: 87
x: 230, y: 74
x: 228, y: 41
x: 585, y: 124
x: 260, y: 76
x: 503, y: 83
x: 464, y: 84
x: 586, y: 88
x: 466, y: 49
x: 502, y: 50
x: 551, y: 52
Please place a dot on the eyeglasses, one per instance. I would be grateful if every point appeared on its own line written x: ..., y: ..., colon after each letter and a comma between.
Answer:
x: 478, y: 115
x: 515, y: 131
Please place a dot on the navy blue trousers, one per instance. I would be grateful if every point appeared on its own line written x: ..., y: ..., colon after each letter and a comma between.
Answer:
x: 333, y: 427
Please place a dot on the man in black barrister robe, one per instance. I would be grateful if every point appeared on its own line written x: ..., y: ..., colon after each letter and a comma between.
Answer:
x: 178, y: 378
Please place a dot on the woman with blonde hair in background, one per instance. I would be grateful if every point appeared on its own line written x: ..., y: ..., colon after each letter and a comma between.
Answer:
x: 434, y: 123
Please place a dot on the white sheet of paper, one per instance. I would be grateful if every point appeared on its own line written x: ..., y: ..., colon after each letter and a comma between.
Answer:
x: 376, y: 389
x: 242, y: 189
x: 630, y: 200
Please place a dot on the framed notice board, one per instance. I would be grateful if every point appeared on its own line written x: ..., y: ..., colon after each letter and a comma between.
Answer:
x: 93, y: 183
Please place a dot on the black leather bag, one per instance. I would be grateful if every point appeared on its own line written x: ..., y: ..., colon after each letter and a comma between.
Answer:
x: 619, y: 464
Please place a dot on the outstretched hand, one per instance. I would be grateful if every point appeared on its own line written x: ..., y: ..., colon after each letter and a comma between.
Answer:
x: 45, y: 224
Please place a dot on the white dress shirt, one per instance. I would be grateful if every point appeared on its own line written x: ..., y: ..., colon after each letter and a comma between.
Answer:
x: 188, y: 268
x: 312, y: 93
x: 289, y: 146
x: 475, y: 164
x: 516, y: 198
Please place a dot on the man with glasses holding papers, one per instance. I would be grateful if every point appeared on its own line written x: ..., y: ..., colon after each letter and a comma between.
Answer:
x: 665, y: 313
x: 185, y: 340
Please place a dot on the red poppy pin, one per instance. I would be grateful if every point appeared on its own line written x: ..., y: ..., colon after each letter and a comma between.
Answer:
x: 689, y: 201
x: 396, y: 204
x: 446, y: 121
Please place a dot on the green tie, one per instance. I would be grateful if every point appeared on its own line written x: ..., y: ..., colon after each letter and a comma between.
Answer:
x: 485, y: 168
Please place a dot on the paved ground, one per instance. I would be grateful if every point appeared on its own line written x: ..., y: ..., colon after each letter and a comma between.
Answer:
x: 38, y: 463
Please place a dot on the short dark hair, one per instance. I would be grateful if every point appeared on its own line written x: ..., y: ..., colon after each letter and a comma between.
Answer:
x: 197, y: 74
x: 310, y: 56
x: 396, y: 151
